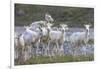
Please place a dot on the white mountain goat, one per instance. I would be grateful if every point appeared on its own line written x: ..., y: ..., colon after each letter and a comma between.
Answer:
x: 16, y: 45
x: 28, y: 38
x: 63, y: 29
x: 77, y: 38
x: 44, y: 40
x: 80, y: 35
x: 57, y: 38
x: 48, y: 18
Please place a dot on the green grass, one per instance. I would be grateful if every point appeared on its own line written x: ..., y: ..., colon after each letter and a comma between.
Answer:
x: 57, y: 59
x: 91, y: 41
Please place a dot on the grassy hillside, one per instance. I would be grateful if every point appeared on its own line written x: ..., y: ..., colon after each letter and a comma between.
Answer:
x: 73, y: 16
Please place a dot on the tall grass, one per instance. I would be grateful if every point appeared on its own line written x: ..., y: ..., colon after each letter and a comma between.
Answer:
x: 57, y: 59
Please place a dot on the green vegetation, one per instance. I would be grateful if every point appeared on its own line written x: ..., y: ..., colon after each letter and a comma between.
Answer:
x: 91, y: 41
x: 58, y: 59
x: 25, y: 14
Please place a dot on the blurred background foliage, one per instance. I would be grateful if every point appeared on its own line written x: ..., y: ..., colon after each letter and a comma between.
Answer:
x: 25, y: 14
